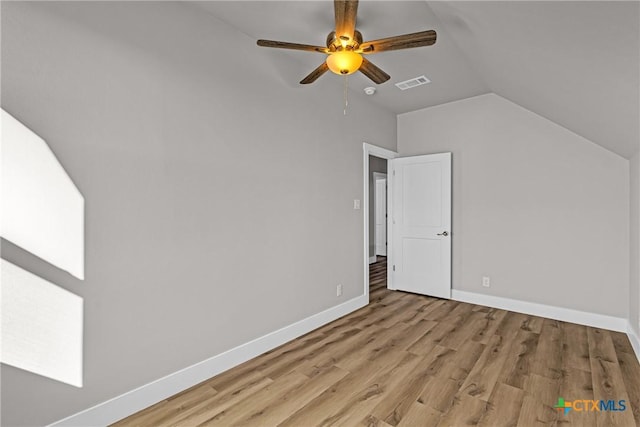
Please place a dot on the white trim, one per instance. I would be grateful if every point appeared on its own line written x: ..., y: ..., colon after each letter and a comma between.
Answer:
x: 390, y: 261
x: 142, y: 397
x: 372, y: 259
x: 618, y: 324
x: 633, y: 338
x: 372, y: 150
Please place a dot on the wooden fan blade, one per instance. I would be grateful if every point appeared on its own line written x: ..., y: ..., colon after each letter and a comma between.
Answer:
x: 374, y: 73
x: 406, y: 41
x: 294, y: 46
x: 345, y: 13
x: 313, y: 76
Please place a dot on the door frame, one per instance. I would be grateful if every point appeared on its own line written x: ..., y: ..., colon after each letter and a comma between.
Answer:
x: 383, y: 153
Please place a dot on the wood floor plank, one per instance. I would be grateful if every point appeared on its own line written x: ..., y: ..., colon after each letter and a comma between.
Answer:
x: 630, y: 374
x: 511, y: 324
x: 371, y: 421
x: 576, y: 384
x: 426, y: 313
x: 411, y: 360
x: 383, y: 388
x: 404, y: 339
x: 338, y: 349
x: 445, y: 383
x: 600, y: 346
x: 361, y: 385
x: 273, y: 410
x: 421, y: 310
x: 533, y: 324
x: 453, y: 330
x: 489, y: 322
x: 175, y: 406
x: 378, y: 318
x: 406, y: 313
x: 373, y: 347
x: 621, y: 342
x: 575, y: 352
x: 466, y: 358
x: 420, y: 415
x: 485, y: 372
x: 541, y: 393
x: 234, y: 413
x: 466, y: 410
x: 535, y: 413
x: 441, y: 310
x: 219, y: 403
x: 503, y: 407
x: 392, y: 411
x: 290, y: 361
x: 425, y: 343
x: 518, y: 364
x: 548, y: 358
x: 439, y: 393
x: 605, y: 375
x: 466, y: 326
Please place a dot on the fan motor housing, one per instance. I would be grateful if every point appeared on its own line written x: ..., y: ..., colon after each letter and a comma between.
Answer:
x: 334, y: 43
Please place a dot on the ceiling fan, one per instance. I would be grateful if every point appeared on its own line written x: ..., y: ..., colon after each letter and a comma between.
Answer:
x: 345, y: 46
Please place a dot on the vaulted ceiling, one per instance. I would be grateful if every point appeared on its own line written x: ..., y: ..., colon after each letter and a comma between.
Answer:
x: 576, y: 63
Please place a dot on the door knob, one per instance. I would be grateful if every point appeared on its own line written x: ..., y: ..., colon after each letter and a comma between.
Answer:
x: 444, y: 233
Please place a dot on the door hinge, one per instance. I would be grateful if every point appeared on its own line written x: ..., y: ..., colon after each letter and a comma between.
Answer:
x: 394, y: 172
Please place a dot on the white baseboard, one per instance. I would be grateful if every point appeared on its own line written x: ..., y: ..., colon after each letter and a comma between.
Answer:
x: 142, y: 397
x: 602, y: 321
x: 635, y: 341
x: 372, y: 259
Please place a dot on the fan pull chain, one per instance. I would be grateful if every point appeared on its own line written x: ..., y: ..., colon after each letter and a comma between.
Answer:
x: 346, y: 98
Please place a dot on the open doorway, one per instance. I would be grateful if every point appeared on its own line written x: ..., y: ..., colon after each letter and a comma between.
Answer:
x: 376, y: 220
x: 377, y: 223
x: 379, y: 206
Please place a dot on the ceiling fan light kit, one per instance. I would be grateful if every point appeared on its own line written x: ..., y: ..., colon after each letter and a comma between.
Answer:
x: 344, y: 62
x: 346, y: 49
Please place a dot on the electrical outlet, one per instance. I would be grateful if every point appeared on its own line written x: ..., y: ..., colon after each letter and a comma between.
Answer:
x: 486, y: 281
x: 356, y: 204
x: 339, y: 290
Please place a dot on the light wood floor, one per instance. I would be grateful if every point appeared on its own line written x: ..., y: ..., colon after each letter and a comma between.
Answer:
x: 410, y: 360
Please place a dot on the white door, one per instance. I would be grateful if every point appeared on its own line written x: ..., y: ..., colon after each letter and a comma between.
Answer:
x: 421, y: 221
x: 380, y: 217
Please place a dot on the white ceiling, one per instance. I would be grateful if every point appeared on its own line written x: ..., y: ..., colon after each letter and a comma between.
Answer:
x: 576, y: 63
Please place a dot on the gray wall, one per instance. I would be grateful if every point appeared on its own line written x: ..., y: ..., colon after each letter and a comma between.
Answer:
x: 634, y: 257
x: 540, y: 210
x: 212, y: 216
x: 376, y: 164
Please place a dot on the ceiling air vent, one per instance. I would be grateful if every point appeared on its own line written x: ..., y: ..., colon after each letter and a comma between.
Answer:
x: 417, y: 81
